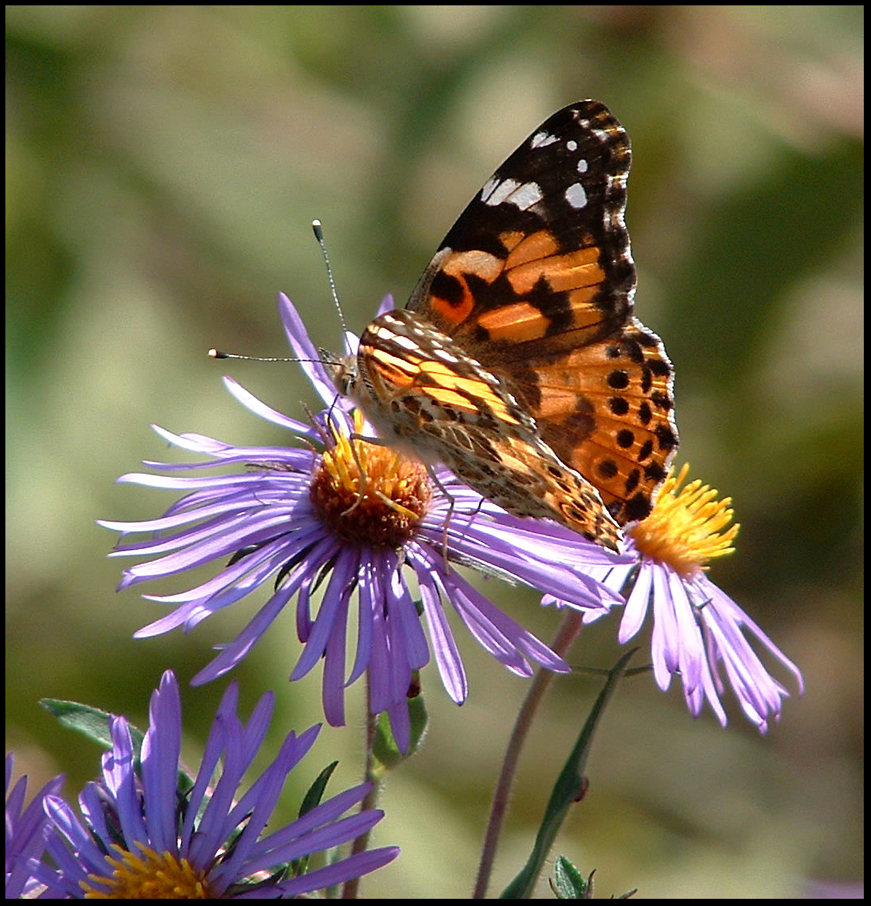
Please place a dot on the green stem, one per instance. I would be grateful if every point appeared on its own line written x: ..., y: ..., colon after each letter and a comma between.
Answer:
x: 563, y: 641
x: 361, y: 843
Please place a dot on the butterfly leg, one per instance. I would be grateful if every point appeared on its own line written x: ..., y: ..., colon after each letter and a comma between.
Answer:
x: 364, y: 477
x: 435, y: 480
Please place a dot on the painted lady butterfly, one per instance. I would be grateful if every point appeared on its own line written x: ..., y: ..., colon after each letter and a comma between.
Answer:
x: 517, y: 362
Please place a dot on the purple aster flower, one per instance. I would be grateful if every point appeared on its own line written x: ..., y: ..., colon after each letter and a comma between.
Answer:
x: 143, y: 835
x: 699, y: 632
x: 372, y: 541
x: 25, y: 833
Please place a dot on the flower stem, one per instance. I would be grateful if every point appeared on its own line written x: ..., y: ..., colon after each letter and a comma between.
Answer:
x: 361, y: 843
x: 565, y: 637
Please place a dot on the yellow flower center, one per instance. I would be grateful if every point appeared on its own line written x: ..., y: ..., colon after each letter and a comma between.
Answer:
x: 369, y: 494
x: 148, y: 876
x: 687, y: 527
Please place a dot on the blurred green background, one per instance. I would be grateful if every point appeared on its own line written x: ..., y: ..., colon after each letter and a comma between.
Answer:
x: 163, y: 165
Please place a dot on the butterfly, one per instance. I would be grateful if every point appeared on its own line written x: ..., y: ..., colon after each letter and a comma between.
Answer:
x: 517, y: 362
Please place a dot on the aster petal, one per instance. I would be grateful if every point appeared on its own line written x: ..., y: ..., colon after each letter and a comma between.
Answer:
x: 214, y: 824
x: 406, y: 644
x: 367, y: 576
x: 332, y: 875
x: 258, y: 407
x: 698, y: 632
x: 120, y: 780
x: 241, y: 743
x: 337, y: 588
x: 691, y: 647
x: 304, y: 620
x: 26, y: 827
x: 445, y: 651
x: 757, y: 693
x: 390, y: 669
x: 196, y: 847
x: 252, y: 570
x: 254, y: 821
x: 226, y: 453
x: 234, y: 651
x: 381, y: 691
x: 667, y: 620
x: 160, y: 758
x: 91, y: 801
x: 637, y: 603
x: 334, y: 834
x: 537, y: 563
x: 737, y: 617
x: 166, y: 523
x: 293, y: 750
x: 321, y: 815
x: 248, y: 572
x: 334, y: 663
x: 87, y: 854
x: 400, y: 724
x: 505, y: 639
x: 403, y: 614
x: 216, y: 540
x: 71, y: 868
x: 497, y: 632
x: 310, y: 361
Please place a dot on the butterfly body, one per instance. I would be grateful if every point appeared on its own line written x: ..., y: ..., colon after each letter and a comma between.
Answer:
x: 518, y: 362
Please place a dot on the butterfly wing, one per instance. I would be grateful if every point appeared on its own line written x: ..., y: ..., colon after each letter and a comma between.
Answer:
x: 536, y: 281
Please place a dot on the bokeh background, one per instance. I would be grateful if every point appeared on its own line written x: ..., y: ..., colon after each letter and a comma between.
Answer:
x: 163, y: 167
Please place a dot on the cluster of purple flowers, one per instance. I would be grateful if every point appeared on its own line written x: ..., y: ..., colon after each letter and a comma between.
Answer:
x: 143, y: 834
x: 342, y: 528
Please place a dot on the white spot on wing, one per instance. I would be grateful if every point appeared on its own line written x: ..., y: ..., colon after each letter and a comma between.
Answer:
x: 542, y: 139
x: 495, y: 192
x: 522, y: 195
x: 583, y: 166
x: 488, y: 188
x: 576, y: 196
x: 526, y: 196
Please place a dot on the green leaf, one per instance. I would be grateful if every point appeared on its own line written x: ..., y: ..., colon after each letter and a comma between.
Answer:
x: 316, y: 790
x: 311, y: 799
x: 570, y: 787
x: 91, y: 722
x: 95, y: 724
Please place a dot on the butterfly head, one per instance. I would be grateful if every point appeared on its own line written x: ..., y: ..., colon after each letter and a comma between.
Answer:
x: 342, y: 371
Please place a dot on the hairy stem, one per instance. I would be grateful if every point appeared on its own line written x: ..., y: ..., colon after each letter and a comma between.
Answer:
x: 565, y: 637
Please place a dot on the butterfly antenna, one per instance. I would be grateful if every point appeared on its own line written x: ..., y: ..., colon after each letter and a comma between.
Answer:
x: 318, y: 229
x: 219, y: 354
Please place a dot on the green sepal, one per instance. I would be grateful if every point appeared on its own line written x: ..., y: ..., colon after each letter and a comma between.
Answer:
x: 568, y: 883
x: 385, y: 753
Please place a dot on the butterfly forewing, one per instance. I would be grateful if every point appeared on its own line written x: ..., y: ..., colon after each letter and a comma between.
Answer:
x: 543, y: 245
